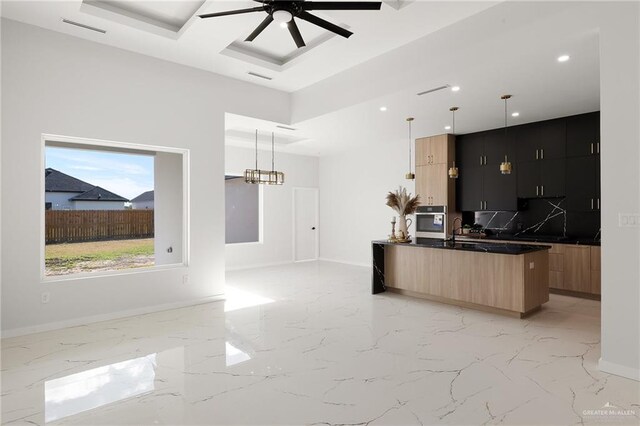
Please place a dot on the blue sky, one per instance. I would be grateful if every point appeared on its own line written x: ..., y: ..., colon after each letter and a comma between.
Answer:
x: 127, y: 175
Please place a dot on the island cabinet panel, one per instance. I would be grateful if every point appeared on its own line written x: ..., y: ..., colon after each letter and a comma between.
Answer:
x: 595, y: 270
x: 494, y: 280
x: 414, y: 269
x: 536, y: 280
x: 577, y: 268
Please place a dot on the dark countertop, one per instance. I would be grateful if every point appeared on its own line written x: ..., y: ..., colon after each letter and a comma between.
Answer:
x: 533, y: 239
x: 478, y: 247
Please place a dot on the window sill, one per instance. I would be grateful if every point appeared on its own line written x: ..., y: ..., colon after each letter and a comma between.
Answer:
x: 89, y: 275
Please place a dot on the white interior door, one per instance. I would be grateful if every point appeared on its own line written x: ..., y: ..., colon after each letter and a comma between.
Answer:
x: 305, y: 224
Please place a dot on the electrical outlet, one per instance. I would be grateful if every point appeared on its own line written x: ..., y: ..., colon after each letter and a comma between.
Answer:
x: 45, y: 297
x: 532, y: 265
x: 628, y: 220
x: 185, y: 279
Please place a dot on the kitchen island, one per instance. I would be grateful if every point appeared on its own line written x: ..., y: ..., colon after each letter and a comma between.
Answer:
x: 511, y: 279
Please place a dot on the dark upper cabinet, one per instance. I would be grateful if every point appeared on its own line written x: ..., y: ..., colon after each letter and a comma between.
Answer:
x: 469, y: 190
x: 497, y: 144
x: 528, y: 173
x: 499, y: 190
x: 541, y: 141
x: 552, y: 135
x: 583, y: 183
x: 469, y: 150
x: 550, y: 159
x: 527, y: 142
x: 552, y: 178
x: 583, y: 135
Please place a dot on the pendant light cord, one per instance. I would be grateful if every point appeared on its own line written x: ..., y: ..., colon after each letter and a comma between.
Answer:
x: 453, y: 124
x: 256, y: 149
x: 272, y: 152
x: 409, y: 146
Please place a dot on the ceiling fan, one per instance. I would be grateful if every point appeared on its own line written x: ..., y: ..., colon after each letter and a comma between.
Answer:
x: 285, y: 12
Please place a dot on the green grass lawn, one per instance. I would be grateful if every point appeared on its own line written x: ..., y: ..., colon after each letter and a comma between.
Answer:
x: 61, y: 259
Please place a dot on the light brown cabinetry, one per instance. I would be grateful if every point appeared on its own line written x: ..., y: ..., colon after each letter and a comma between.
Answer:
x: 434, y: 149
x: 595, y: 269
x: 434, y: 154
x: 573, y: 269
x: 577, y: 268
x: 514, y: 284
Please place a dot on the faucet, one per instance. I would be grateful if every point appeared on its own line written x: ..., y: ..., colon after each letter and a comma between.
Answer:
x: 453, y: 229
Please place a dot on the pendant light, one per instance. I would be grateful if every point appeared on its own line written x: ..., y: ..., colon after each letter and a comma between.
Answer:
x: 453, y: 170
x: 505, y: 167
x: 275, y: 178
x: 410, y: 175
x: 262, y: 177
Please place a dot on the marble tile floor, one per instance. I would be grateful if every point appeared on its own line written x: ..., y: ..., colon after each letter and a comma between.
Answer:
x: 308, y: 344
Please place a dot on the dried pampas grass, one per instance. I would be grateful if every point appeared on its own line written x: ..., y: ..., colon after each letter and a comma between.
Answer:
x: 402, y: 202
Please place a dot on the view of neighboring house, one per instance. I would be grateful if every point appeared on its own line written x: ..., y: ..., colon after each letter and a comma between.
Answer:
x: 64, y: 192
x: 143, y: 201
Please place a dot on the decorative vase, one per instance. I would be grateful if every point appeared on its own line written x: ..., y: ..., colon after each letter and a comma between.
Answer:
x: 403, y: 227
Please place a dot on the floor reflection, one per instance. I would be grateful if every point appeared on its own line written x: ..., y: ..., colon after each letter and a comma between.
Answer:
x: 94, y: 388
x: 239, y: 299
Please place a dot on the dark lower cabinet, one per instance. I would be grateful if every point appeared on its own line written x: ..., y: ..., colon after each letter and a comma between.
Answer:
x: 583, y: 183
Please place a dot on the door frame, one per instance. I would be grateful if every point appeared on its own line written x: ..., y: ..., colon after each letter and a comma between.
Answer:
x: 293, y: 222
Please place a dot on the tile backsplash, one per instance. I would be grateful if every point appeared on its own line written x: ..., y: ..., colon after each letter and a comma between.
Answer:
x: 541, y: 216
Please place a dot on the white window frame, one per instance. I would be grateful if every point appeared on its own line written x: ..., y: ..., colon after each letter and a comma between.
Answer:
x: 124, y: 146
x: 260, y: 215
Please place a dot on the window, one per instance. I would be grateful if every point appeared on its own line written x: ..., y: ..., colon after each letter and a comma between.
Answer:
x: 101, y: 213
x: 242, y: 211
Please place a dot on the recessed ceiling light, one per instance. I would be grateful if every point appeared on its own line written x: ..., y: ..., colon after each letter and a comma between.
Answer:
x: 563, y: 58
x: 447, y: 127
x: 383, y: 109
x: 455, y: 88
x: 515, y: 114
x: 283, y: 25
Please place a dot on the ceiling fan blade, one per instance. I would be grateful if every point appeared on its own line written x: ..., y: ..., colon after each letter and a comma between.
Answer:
x: 324, y: 24
x: 264, y: 24
x: 233, y: 12
x: 295, y: 33
x: 341, y: 5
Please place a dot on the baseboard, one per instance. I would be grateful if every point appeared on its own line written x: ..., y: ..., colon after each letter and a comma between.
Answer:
x: 344, y: 262
x: 619, y: 370
x: 15, y: 332
x: 257, y: 265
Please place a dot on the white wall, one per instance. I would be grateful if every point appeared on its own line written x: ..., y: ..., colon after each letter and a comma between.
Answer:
x: 142, y: 205
x: 620, y: 183
x: 353, y: 209
x: 98, y: 205
x: 57, y: 84
x: 60, y: 200
x: 277, y: 244
x: 168, y: 217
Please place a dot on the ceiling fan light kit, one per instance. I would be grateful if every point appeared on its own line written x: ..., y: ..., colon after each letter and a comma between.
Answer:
x: 285, y: 13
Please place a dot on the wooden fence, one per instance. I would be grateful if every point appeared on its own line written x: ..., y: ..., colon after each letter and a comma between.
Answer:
x: 72, y: 226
